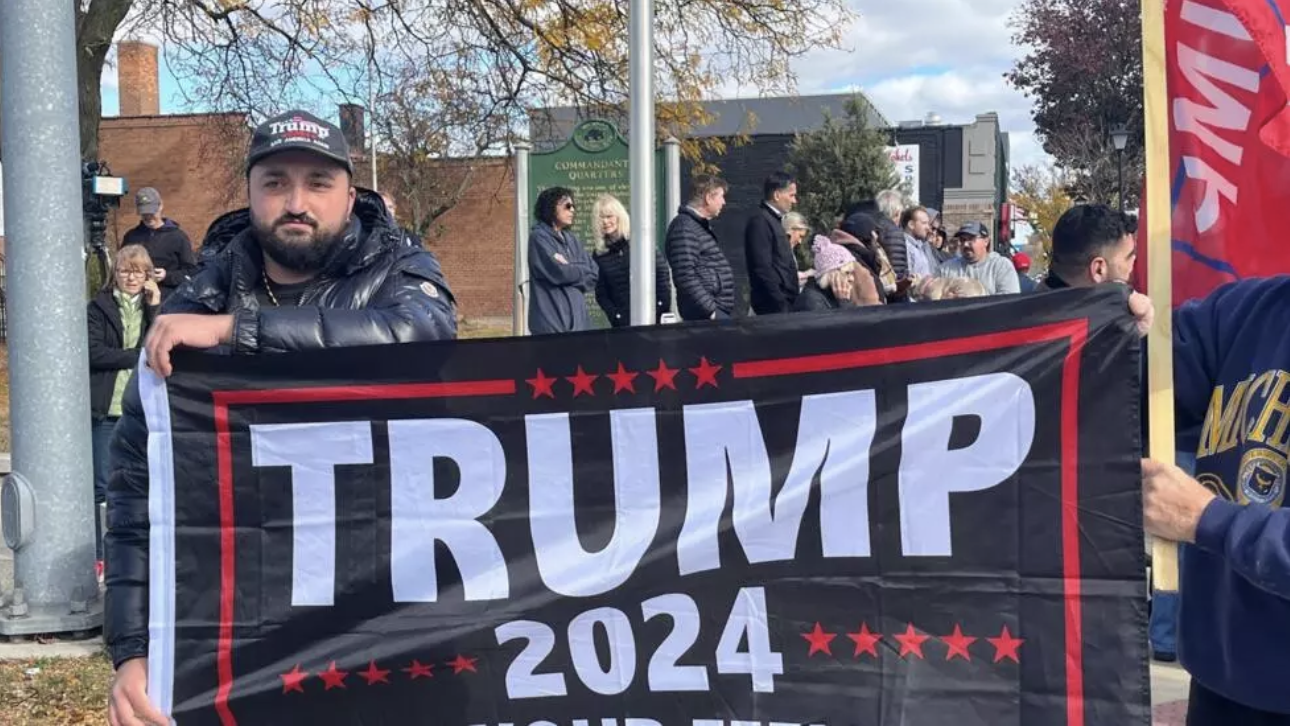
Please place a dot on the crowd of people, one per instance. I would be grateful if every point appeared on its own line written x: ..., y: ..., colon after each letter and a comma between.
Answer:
x: 315, y: 263
x: 874, y: 252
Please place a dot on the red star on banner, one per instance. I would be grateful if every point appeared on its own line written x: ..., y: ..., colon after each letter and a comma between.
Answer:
x: 541, y: 385
x: 416, y: 670
x: 706, y: 373
x: 958, y: 644
x: 333, y: 678
x: 462, y: 664
x: 582, y: 382
x: 865, y: 640
x: 623, y: 379
x: 911, y: 642
x: 374, y: 674
x: 663, y: 377
x: 820, y: 640
x: 292, y: 681
x: 1005, y: 645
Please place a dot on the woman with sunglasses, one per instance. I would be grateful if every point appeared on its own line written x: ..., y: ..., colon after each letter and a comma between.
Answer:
x: 561, y: 271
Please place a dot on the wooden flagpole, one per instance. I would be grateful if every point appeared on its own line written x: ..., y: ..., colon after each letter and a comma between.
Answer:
x: 1160, y: 362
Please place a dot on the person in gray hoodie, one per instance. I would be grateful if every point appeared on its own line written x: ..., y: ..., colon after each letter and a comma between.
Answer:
x: 561, y: 271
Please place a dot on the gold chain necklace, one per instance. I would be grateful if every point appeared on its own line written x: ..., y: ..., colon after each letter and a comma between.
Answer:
x: 268, y: 288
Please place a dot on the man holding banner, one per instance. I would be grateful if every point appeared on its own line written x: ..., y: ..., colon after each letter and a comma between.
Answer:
x: 1218, y: 138
x: 1232, y: 387
x: 311, y: 265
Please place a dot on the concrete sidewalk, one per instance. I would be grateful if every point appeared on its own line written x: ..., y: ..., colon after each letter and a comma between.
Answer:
x: 1169, y: 686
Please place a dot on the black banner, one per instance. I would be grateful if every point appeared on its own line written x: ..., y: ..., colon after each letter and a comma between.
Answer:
x: 914, y: 514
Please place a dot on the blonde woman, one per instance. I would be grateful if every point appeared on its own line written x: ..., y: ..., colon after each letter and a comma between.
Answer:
x: 117, y: 319
x: 611, y: 230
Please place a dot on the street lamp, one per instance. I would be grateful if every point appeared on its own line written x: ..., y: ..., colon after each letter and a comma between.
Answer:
x: 1120, y: 138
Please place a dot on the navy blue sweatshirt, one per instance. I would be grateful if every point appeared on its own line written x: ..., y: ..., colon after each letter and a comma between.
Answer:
x: 1232, y: 389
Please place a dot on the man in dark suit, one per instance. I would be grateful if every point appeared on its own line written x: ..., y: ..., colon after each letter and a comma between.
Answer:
x: 772, y: 270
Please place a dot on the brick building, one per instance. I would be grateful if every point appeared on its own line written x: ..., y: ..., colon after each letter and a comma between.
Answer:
x: 194, y: 160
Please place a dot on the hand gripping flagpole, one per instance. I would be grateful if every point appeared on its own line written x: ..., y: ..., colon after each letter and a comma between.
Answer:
x: 1160, y: 402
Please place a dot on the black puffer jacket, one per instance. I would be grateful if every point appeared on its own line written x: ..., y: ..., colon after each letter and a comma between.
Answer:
x: 374, y: 289
x: 890, y: 236
x: 705, y: 283
x: 614, y: 284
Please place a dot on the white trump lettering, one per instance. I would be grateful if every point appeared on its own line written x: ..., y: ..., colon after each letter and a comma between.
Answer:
x: 930, y: 471
x: 312, y: 451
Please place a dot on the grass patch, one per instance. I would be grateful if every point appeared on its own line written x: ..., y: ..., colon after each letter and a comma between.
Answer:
x: 55, y: 691
x: 482, y: 330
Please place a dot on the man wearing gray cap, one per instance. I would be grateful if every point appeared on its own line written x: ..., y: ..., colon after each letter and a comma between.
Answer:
x: 168, y: 246
x: 977, y: 261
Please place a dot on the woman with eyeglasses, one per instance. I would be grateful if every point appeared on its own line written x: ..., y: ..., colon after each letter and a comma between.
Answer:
x: 561, y: 271
x: 118, y: 319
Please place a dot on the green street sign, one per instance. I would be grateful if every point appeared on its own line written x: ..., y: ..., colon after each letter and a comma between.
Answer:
x: 593, y: 162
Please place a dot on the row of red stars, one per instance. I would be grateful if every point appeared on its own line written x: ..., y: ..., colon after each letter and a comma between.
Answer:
x: 664, y: 377
x: 911, y: 642
x: 294, y: 681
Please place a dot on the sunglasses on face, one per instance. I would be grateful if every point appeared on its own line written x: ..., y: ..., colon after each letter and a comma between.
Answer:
x: 567, y: 205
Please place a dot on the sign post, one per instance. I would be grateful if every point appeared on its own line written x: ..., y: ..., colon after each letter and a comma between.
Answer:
x: 1160, y: 373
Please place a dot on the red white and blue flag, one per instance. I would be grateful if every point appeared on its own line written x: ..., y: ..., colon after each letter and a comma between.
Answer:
x: 1229, y: 141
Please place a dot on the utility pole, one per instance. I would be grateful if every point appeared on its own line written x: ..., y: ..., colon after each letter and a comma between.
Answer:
x: 47, y: 500
x: 640, y: 163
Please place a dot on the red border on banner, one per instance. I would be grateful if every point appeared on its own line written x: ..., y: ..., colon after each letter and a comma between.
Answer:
x: 224, y: 448
x: 1074, y: 331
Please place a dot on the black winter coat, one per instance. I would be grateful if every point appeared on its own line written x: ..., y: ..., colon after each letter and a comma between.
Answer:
x: 892, y: 239
x: 169, y: 248
x: 772, y: 270
x: 705, y: 283
x: 614, y: 285
x: 816, y: 298
x: 108, y: 354
x: 373, y: 289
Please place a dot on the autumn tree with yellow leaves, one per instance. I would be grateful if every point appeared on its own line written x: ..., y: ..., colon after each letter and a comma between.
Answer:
x: 457, y: 76
x: 1043, y: 192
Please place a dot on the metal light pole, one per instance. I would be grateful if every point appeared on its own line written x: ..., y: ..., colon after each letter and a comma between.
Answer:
x: 1120, y: 138
x: 47, y: 502
x: 641, y: 162
x: 672, y: 168
x: 519, y: 308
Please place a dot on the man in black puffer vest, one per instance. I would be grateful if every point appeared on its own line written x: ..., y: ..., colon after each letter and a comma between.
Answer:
x: 311, y: 264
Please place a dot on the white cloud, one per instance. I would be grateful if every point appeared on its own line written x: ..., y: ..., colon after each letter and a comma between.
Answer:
x: 897, y: 36
x: 950, y: 60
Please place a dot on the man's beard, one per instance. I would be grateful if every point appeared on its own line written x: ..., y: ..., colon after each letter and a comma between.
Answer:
x: 299, y: 253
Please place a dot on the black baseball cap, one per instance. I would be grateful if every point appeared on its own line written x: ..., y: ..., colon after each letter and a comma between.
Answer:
x: 299, y: 130
x: 972, y: 230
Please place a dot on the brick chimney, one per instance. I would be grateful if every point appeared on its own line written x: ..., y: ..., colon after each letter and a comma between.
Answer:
x: 137, y: 78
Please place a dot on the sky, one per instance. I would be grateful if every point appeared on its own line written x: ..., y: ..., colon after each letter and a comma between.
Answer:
x: 910, y: 57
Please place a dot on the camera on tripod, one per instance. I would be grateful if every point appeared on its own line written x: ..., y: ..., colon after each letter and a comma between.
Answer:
x: 101, y: 192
